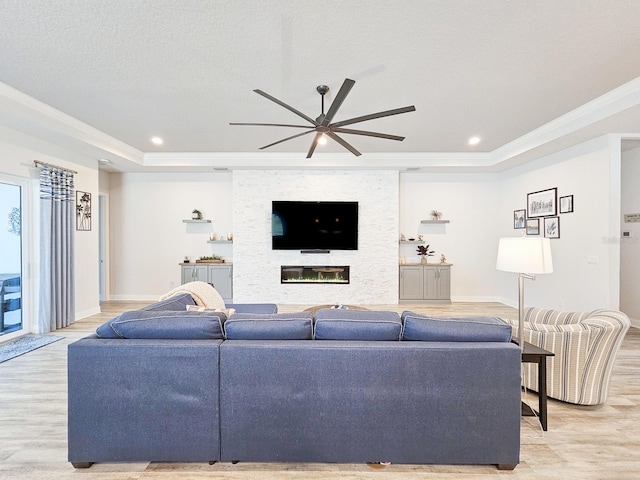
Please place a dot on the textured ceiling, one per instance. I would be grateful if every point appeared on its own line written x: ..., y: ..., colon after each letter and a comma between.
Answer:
x: 183, y: 70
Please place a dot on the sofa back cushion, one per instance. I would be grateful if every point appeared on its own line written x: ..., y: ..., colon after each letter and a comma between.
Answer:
x: 164, y: 325
x: 253, y: 307
x: 177, y: 303
x: 454, y: 329
x: 339, y: 324
x: 276, y: 326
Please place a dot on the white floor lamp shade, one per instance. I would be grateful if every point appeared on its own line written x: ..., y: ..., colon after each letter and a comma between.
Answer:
x: 526, y: 256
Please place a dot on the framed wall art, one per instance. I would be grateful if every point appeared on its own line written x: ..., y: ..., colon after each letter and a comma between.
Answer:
x: 518, y: 218
x: 533, y: 226
x: 83, y: 211
x: 566, y: 204
x: 543, y: 203
x: 552, y: 227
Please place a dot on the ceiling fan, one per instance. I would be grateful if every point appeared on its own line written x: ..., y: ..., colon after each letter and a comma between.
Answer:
x: 322, y: 124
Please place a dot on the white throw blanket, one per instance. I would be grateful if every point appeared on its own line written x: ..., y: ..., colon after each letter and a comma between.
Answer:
x: 202, y: 293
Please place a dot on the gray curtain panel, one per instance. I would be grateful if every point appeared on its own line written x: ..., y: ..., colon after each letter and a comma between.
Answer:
x: 57, y: 306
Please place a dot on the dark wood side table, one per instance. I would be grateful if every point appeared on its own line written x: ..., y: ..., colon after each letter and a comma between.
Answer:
x: 533, y: 354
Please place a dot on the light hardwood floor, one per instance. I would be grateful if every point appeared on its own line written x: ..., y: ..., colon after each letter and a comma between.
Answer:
x: 601, y: 442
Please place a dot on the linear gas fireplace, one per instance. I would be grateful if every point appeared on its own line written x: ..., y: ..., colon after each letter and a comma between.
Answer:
x: 314, y: 274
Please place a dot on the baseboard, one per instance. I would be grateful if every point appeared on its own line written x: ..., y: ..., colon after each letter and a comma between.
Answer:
x: 136, y: 298
x: 87, y: 313
x: 480, y: 299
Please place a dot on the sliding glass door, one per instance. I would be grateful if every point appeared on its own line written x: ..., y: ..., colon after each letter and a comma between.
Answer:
x: 11, y: 284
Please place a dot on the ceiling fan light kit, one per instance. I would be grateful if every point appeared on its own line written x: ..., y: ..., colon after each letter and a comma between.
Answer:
x: 322, y: 125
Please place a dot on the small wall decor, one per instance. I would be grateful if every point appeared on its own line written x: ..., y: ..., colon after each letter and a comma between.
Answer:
x: 552, y: 227
x: 519, y: 218
x: 533, y: 226
x: 436, y: 215
x: 83, y: 211
x: 196, y: 214
x: 566, y: 204
x: 13, y: 224
x: 543, y: 203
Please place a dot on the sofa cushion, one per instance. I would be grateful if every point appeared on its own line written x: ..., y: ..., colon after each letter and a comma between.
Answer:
x: 454, y: 329
x: 339, y: 324
x: 164, y: 324
x: 176, y: 303
x: 277, y: 326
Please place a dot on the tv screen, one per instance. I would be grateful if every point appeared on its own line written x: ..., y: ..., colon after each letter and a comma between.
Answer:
x: 314, y: 225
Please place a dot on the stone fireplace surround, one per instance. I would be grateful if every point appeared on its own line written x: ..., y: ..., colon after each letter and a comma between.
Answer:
x: 373, y: 267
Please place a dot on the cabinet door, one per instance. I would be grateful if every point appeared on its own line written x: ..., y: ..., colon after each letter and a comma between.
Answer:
x: 437, y: 283
x: 220, y: 276
x: 411, y: 283
x: 444, y: 283
x: 431, y: 283
x: 193, y: 273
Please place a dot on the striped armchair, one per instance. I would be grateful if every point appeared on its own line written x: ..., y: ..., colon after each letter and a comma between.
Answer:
x: 585, y: 345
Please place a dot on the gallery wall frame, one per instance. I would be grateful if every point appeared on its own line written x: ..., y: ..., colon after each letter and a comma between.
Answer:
x: 551, y: 227
x: 566, y: 204
x: 543, y: 203
x: 533, y: 226
x: 519, y: 217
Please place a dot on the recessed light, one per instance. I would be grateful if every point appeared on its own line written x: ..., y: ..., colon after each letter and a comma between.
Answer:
x: 104, y: 161
x: 157, y: 140
x: 474, y: 140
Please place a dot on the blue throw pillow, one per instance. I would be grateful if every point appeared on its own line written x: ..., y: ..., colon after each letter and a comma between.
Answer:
x: 177, y: 303
x: 277, y: 326
x: 339, y: 324
x: 454, y: 329
x: 164, y: 324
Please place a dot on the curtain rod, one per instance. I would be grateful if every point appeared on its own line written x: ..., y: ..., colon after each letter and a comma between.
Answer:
x: 38, y: 162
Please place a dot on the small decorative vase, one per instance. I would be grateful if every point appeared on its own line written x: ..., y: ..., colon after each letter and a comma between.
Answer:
x: 424, y: 260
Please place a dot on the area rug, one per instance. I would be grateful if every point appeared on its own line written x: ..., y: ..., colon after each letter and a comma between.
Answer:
x: 25, y: 344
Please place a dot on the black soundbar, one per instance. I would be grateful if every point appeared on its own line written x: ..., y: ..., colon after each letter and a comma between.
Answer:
x: 315, y: 251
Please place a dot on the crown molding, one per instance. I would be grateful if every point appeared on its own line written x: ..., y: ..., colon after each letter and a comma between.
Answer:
x: 269, y: 160
x: 605, y: 106
x: 64, y: 128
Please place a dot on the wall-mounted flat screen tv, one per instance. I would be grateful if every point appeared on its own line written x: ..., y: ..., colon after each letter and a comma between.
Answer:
x: 297, y: 225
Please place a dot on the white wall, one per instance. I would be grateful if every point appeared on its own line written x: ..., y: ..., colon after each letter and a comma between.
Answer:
x: 589, y: 173
x: 147, y: 236
x: 468, y: 201
x: 373, y: 267
x: 630, y: 247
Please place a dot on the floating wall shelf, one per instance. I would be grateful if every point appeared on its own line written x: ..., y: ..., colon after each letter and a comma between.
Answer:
x: 196, y: 221
x: 412, y: 242
x: 434, y: 221
x: 219, y: 241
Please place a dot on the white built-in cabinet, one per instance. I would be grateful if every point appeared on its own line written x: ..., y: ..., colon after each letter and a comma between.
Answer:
x: 220, y: 275
x: 426, y: 282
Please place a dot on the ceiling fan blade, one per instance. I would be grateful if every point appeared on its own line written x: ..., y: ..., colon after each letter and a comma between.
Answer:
x: 285, y: 139
x: 343, y: 143
x: 346, y: 87
x: 288, y: 107
x: 314, y: 144
x: 273, y: 125
x: 371, y: 116
x: 367, y: 133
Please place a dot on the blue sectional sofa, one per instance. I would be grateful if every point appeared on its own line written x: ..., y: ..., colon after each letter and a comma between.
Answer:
x: 345, y: 386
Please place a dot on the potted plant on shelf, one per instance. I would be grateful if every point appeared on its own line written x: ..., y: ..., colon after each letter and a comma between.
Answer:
x: 424, y: 252
x: 196, y: 214
x: 210, y: 259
